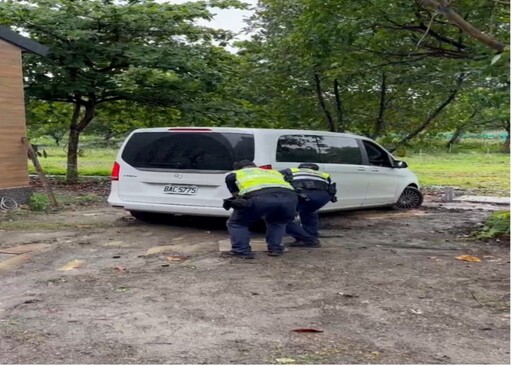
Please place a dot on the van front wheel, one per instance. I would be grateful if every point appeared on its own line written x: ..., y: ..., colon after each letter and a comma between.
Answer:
x: 410, y: 198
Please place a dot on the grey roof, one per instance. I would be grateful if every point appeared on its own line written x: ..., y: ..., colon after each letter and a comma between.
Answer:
x: 24, y: 43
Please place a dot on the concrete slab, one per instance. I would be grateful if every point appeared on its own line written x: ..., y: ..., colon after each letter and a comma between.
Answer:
x: 469, y: 206
x: 22, y: 238
x: 77, y: 263
x: 256, y: 245
x: 484, y: 199
x: 21, y: 249
x: 161, y: 249
x: 373, y: 215
x: 13, y: 262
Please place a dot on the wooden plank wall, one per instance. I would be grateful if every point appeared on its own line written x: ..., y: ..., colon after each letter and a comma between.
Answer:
x: 13, y: 156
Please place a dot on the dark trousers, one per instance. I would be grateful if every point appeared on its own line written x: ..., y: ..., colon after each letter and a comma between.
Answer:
x: 308, y: 213
x: 277, y: 209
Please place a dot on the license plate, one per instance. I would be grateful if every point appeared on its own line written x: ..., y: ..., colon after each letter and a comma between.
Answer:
x: 178, y: 189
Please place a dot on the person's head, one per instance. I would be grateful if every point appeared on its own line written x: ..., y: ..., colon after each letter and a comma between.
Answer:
x: 243, y: 164
x: 311, y: 166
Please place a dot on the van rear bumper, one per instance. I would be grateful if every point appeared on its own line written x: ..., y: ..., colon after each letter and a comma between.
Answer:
x: 171, y: 209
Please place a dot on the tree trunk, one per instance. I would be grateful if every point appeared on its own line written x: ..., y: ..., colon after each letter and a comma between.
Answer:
x: 108, y: 135
x: 339, y: 108
x: 379, y: 122
x: 506, y: 145
x: 456, y: 136
x: 442, y: 7
x: 74, y: 135
x: 75, y: 130
x: 321, y: 101
x: 505, y: 148
x: 72, y: 171
x: 433, y: 116
x: 56, y: 139
x: 459, y: 130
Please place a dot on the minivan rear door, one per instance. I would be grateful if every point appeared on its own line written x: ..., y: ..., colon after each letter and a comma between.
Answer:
x: 181, y: 166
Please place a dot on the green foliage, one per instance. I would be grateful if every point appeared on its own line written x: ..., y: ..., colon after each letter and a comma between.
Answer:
x: 142, y: 52
x: 39, y: 202
x: 398, y: 72
x: 392, y: 71
x: 48, y: 119
x: 497, y: 225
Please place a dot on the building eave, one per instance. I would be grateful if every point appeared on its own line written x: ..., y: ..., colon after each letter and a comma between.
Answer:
x: 24, y: 43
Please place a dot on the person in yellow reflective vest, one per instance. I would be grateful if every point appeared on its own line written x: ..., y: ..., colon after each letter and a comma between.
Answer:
x: 259, y: 193
x: 316, y: 190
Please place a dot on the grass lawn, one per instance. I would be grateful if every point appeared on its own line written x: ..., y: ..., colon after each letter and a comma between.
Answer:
x: 93, y: 162
x: 487, y: 173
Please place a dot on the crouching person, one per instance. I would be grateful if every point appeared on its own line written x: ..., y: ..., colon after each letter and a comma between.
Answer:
x: 316, y: 190
x: 259, y: 193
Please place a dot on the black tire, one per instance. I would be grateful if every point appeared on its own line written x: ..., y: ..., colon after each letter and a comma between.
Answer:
x: 150, y: 217
x: 410, y: 198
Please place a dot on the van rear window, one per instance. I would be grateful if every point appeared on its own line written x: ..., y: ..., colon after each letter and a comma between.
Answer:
x: 188, y: 151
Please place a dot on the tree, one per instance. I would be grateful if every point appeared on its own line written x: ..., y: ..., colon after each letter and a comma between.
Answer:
x: 443, y: 7
x: 121, y: 117
x: 48, y: 119
x: 104, y: 51
x: 382, y: 69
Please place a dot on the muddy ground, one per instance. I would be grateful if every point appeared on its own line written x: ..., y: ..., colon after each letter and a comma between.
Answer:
x: 385, y: 287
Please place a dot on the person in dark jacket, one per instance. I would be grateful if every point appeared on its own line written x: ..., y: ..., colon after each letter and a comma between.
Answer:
x: 259, y: 193
x: 316, y: 190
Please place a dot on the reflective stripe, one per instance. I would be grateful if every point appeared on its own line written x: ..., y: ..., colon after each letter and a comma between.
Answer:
x: 308, y: 177
x: 309, y: 174
x: 253, y: 179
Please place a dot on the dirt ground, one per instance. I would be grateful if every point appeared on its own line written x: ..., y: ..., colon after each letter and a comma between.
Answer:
x: 384, y: 288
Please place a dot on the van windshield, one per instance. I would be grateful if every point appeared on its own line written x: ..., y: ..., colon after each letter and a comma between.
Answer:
x: 188, y: 150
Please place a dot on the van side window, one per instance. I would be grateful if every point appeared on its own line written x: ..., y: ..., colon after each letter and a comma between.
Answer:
x: 339, y: 150
x: 376, y: 156
x: 298, y: 149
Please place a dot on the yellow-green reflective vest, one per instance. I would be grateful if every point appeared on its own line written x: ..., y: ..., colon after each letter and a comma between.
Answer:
x: 253, y: 179
x: 305, y: 174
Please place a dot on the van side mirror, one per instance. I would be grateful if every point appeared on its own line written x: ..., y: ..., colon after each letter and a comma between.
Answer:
x: 400, y: 164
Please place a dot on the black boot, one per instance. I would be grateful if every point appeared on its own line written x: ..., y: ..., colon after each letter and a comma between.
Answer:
x: 233, y: 254
x: 306, y: 244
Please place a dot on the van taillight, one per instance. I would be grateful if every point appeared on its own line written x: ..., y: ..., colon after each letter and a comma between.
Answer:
x: 268, y: 166
x: 115, y: 171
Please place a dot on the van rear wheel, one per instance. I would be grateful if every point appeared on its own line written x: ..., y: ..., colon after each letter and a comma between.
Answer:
x: 410, y: 198
x: 150, y: 217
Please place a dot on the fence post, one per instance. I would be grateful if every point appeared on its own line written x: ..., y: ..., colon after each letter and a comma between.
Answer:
x: 448, y: 194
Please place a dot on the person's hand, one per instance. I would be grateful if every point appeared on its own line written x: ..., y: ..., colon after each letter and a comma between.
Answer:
x: 228, y: 203
x: 296, y: 220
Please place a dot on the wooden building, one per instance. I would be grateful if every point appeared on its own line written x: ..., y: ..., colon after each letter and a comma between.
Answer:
x: 14, y: 181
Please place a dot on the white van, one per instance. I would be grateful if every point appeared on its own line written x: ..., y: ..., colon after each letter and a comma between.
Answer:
x: 182, y: 170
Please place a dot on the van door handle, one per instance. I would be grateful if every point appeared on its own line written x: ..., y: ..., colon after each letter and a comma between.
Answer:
x: 361, y: 169
x: 375, y: 170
